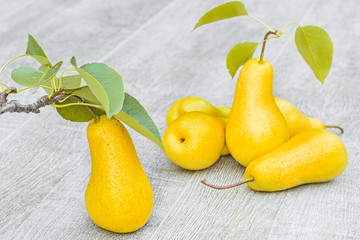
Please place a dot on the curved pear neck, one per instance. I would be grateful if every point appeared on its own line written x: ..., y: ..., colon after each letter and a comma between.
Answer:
x: 111, y: 144
x: 256, y: 79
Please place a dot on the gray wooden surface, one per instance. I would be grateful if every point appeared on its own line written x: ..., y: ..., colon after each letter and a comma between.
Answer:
x: 45, y: 161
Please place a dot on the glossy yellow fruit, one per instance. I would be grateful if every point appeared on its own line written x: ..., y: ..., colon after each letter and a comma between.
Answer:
x: 223, y: 113
x: 255, y: 125
x: 225, y: 151
x: 309, y: 157
x: 196, y: 104
x: 118, y: 197
x: 297, y: 121
x: 194, y: 141
x: 189, y: 104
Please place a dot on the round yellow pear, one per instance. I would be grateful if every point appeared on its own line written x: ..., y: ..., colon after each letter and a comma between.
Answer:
x: 189, y: 104
x: 194, y: 141
x: 119, y: 196
x: 196, y: 104
x: 225, y: 151
x: 223, y: 115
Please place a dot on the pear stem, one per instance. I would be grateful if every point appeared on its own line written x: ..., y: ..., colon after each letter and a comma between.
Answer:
x: 228, y: 186
x: 96, y: 117
x: 277, y: 33
x: 333, y: 126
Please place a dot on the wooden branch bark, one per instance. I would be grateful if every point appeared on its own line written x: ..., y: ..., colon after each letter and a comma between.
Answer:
x: 16, y: 106
x: 4, y: 94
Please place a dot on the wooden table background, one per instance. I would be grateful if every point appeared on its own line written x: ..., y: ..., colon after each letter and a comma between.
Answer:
x: 45, y: 160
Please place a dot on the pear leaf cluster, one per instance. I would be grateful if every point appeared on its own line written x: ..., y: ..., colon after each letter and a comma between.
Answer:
x: 103, y: 92
x: 313, y: 43
x: 71, y: 82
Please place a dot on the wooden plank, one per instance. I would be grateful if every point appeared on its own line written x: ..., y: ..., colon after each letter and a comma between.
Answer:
x: 10, y: 8
x: 172, y: 63
x: 32, y: 166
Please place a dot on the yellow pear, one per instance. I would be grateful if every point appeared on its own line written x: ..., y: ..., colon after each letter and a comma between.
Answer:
x: 255, y: 125
x: 223, y: 112
x: 297, y: 121
x: 194, y: 141
x: 192, y: 104
x: 309, y: 157
x: 225, y: 151
x: 312, y: 156
x: 189, y: 104
x: 223, y: 115
x: 118, y: 197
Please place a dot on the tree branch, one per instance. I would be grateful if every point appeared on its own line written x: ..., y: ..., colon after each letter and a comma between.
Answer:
x: 4, y: 94
x: 15, y: 106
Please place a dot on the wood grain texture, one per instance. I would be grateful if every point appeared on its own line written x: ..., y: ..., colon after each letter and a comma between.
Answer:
x: 46, y: 161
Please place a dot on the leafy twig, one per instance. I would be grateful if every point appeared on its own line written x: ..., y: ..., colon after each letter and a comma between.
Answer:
x: 15, y: 106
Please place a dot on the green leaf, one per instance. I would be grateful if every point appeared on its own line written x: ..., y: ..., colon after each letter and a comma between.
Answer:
x: 316, y: 48
x: 44, y: 68
x: 86, y: 94
x: 51, y: 72
x: 238, y: 56
x: 221, y: 12
x: 105, y: 83
x: 79, y: 113
x: 76, y: 113
x: 27, y: 76
x: 42, y: 60
x: 70, y: 83
x: 73, y: 61
x: 135, y: 116
x: 34, y: 49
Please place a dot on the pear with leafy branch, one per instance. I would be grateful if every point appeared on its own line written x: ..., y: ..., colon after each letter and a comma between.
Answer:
x: 312, y: 42
x: 119, y: 196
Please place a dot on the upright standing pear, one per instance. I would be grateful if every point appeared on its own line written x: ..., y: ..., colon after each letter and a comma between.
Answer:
x: 118, y: 197
x: 255, y: 125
